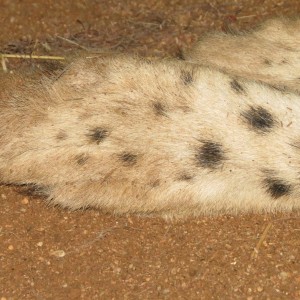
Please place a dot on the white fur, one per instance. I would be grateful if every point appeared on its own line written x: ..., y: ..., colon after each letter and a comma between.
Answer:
x: 165, y: 137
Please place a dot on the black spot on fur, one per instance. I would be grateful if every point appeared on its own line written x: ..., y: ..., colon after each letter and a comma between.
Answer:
x: 51, y: 67
x: 81, y: 159
x: 279, y: 88
x: 98, y: 134
x: 128, y: 158
x: 267, y: 62
x: 185, y: 177
x: 61, y: 136
x: 236, y: 86
x: 210, y: 155
x: 33, y: 190
x: 259, y: 119
x: 277, y: 187
x: 155, y: 183
x: 184, y: 108
x: 159, y: 109
x: 179, y: 54
x: 186, y: 77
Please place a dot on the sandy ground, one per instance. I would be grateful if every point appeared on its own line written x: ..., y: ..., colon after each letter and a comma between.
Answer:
x: 50, y: 253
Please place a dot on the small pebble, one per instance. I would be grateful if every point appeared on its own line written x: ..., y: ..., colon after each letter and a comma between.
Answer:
x: 166, y: 291
x: 284, y: 275
x: 173, y: 271
x: 25, y: 201
x: 58, y: 253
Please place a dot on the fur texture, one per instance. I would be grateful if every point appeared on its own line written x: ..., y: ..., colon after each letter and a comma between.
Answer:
x: 126, y: 134
x: 270, y: 53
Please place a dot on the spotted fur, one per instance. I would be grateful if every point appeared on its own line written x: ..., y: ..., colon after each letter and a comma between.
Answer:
x: 277, y: 187
x: 236, y: 86
x: 269, y: 53
x: 187, y: 77
x: 259, y: 119
x: 115, y: 133
x: 128, y: 159
x: 210, y: 155
x: 97, y: 135
x: 159, y: 109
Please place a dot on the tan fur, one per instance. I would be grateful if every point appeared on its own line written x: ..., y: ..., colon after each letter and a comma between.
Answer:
x: 130, y: 135
x: 270, y: 53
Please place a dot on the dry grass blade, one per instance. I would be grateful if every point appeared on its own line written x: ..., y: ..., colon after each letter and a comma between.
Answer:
x: 27, y: 56
x: 3, y: 63
x: 262, y: 238
x: 73, y: 43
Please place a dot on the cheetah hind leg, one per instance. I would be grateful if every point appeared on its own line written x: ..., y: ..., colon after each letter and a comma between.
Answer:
x: 268, y: 53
